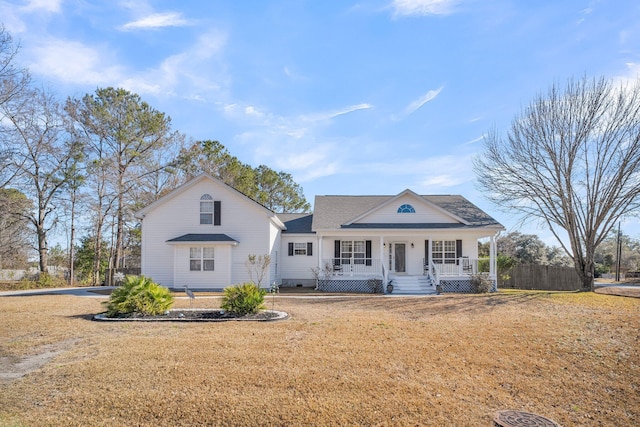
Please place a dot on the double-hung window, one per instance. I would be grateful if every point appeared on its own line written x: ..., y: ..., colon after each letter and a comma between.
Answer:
x: 444, y: 251
x: 201, y: 259
x: 206, y: 209
x: 353, y: 250
x: 300, y: 248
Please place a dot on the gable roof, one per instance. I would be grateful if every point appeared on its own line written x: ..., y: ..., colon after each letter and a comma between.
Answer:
x: 205, y: 176
x: 335, y: 212
x: 412, y: 194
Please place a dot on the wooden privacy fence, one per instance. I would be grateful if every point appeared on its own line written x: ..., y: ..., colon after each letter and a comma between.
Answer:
x: 543, y: 277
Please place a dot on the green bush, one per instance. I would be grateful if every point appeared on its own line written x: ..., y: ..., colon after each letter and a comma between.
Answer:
x: 481, y: 283
x: 139, y: 295
x: 246, y: 298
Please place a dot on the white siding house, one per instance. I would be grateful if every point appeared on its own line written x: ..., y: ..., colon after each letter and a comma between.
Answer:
x: 201, y: 235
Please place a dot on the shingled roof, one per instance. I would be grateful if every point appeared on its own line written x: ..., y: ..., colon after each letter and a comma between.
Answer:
x: 335, y: 212
x: 296, y: 222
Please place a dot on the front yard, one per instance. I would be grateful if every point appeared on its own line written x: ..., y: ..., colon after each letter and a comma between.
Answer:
x: 448, y: 360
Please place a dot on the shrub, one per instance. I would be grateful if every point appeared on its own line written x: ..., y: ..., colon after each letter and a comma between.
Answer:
x: 139, y: 295
x: 481, y: 283
x: 246, y: 298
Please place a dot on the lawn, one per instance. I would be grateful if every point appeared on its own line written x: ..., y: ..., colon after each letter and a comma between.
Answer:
x: 447, y: 360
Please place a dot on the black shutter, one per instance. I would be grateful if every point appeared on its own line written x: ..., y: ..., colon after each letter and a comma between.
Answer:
x: 458, y: 249
x: 309, y: 249
x: 336, y: 252
x: 426, y: 253
x: 290, y: 248
x: 367, y: 250
x: 217, y: 205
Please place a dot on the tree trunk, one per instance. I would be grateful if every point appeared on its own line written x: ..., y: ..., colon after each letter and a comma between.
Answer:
x: 42, y: 240
x: 117, y: 259
x: 42, y: 250
x: 95, y: 279
x: 72, y: 237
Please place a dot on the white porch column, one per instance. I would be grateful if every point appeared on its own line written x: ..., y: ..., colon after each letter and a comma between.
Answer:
x: 493, y: 265
x: 229, y: 265
x: 319, y: 252
x: 386, y: 273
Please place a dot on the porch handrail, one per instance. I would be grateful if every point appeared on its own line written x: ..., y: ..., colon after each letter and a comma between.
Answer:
x: 463, y: 266
x: 434, y: 275
x: 355, y: 266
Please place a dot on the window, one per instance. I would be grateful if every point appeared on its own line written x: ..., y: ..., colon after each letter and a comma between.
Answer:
x: 206, y: 209
x: 201, y: 259
x: 304, y: 248
x: 353, y: 249
x: 300, y: 249
x: 406, y: 209
x: 444, y: 251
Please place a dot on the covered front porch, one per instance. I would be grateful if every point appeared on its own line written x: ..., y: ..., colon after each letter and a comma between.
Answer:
x: 411, y: 262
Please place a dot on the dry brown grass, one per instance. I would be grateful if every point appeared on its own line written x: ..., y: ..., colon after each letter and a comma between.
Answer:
x: 449, y: 360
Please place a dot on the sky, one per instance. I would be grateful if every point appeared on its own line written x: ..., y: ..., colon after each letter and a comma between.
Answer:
x: 348, y: 96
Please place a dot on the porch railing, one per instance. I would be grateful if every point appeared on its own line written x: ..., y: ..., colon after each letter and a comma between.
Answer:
x: 459, y: 266
x: 353, y: 266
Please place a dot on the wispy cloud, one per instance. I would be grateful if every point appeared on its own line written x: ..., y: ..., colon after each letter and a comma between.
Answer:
x: 157, y: 20
x: 52, y: 57
x: 328, y: 115
x: 295, y: 143
x: 42, y: 5
x: 187, y: 74
x: 423, y: 7
x: 429, y: 96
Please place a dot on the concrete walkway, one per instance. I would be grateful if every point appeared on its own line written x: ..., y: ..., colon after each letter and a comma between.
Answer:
x: 79, y: 292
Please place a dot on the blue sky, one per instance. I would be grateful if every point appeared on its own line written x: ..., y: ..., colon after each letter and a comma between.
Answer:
x: 350, y: 97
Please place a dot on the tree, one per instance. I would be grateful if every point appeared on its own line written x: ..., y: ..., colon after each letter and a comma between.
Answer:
x: 213, y: 158
x: 85, y: 260
x: 13, y: 80
x: 274, y: 190
x: 14, y: 228
x: 42, y: 155
x: 121, y: 131
x: 572, y: 160
x: 606, y: 258
x: 278, y: 191
x: 524, y: 248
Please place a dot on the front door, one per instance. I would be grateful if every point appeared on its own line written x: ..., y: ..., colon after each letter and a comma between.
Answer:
x: 399, y: 258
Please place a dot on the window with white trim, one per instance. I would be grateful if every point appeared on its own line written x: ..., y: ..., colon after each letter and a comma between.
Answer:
x: 443, y: 251
x: 353, y: 249
x: 201, y: 259
x: 300, y: 248
x: 206, y: 209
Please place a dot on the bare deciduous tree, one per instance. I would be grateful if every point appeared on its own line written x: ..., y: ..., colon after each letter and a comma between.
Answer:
x: 572, y: 160
x: 42, y: 155
x: 13, y: 80
x: 121, y: 132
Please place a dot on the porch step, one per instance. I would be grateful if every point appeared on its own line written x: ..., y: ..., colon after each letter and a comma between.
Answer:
x: 412, y: 285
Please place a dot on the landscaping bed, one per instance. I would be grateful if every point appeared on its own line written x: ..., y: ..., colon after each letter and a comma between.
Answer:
x: 197, y: 315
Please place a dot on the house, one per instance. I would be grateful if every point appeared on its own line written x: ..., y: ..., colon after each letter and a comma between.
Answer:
x: 202, y: 233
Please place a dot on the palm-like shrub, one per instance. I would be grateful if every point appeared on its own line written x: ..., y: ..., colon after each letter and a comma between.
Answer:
x: 246, y: 298
x: 139, y: 295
